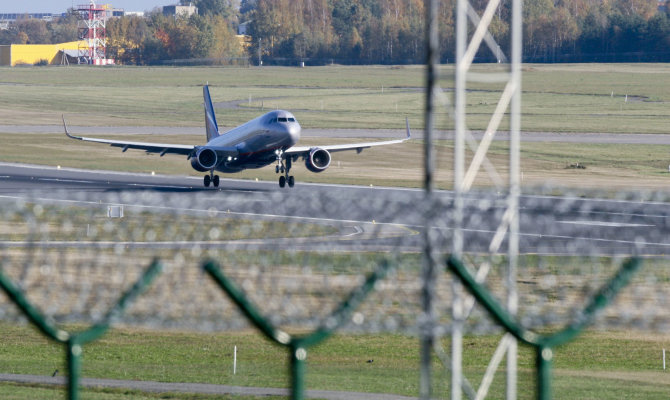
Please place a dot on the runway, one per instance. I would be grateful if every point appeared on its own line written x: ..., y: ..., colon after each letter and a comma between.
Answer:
x: 371, y: 219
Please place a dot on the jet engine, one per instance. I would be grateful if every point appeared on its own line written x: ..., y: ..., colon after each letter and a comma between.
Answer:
x: 204, y: 160
x: 318, y: 159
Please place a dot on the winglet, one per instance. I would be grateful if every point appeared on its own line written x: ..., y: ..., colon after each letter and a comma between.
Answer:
x: 66, y: 131
x: 409, y: 134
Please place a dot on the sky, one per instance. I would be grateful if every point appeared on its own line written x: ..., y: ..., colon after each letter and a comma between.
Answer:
x: 60, y: 6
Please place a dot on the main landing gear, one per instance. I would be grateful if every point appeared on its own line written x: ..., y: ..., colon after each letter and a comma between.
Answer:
x: 211, y: 178
x: 284, y: 169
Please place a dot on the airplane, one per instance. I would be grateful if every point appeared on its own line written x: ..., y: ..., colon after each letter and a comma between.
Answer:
x: 262, y: 141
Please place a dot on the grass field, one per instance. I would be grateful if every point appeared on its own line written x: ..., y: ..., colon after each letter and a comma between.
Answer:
x: 133, y: 225
x: 597, y: 366
x: 557, y: 98
x: 614, y: 98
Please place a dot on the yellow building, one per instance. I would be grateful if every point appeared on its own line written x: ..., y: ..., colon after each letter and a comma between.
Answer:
x: 31, y: 54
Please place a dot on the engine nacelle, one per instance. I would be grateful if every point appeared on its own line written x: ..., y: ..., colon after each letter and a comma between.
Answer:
x: 318, y: 159
x: 204, y: 160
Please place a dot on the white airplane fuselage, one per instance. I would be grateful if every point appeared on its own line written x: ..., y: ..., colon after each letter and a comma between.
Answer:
x: 258, y: 141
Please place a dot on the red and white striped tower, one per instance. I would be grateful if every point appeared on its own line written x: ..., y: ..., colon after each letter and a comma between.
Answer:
x: 92, y: 30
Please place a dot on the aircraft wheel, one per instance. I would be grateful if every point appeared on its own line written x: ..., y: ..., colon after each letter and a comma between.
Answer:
x: 282, y: 181
x: 208, y: 179
x: 215, y: 181
x: 291, y: 181
x: 277, y: 169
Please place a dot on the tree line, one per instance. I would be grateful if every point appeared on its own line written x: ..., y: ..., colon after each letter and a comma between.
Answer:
x: 150, y: 39
x: 392, y: 31
x: 368, y: 31
x: 37, y: 31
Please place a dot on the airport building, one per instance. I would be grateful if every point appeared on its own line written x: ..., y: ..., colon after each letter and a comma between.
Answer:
x: 179, y: 11
x: 31, y: 54
x: 12, y: 17
x: 8, y: 18
x: 90, y: 50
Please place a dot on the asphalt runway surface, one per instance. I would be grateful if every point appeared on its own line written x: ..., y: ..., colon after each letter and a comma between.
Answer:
x: 202, y: 388
x: 376, y: 218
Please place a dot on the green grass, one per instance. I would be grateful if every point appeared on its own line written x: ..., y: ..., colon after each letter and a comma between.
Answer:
x: 11, y: 391
x: 563, y: 98
x: 598, y: 365
x: 556, y: 98
x: 173, y: 96
x: 75, y: 223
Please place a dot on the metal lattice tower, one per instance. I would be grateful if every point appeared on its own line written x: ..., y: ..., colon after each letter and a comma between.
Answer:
x: 466, y: 48
x: 510, y: 99
x: 92, y: 29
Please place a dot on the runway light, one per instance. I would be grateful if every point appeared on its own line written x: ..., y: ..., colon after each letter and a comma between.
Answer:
x: 58, y: 167
x: 153, y: 173
x: 256, y: 179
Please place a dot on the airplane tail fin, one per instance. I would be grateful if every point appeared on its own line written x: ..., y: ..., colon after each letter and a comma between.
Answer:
x: 210, y: 118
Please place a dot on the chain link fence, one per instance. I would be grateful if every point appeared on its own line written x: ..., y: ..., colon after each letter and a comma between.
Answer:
x: 300, y: 266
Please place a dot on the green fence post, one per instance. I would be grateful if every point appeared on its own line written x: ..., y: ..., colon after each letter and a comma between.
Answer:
x: 544, y: 361
x: 73, y: 356
x: 298, y: 346
x: 544, y: 345
x: 298, y: 369
x: 74, y: 342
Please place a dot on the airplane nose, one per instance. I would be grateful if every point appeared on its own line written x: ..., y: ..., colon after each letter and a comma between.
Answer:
x: 294, y: 132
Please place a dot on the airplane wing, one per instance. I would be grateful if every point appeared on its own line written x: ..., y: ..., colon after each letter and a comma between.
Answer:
x: 300, y: 150
x: 162, y: 148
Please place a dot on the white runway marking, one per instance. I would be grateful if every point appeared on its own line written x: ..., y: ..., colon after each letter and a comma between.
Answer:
x: 159, y: 186
x: 358, y: 230
x: 606, y: 224
x: 358, y: 227
x: 64, y: 180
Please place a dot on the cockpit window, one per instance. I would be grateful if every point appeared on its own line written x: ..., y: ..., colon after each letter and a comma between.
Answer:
x: 282, y: 119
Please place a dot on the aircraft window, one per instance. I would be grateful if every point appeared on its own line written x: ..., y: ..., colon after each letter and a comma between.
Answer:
x: 291, y: 120
x: 283, y: 119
